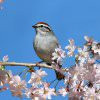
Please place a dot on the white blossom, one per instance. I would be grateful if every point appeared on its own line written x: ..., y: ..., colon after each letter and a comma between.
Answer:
x: 5, y: 58
x: 36, y: 77
x: 58, y: 55
x: 17, y: 85
x: 71, y: 48
x: 63, y: 92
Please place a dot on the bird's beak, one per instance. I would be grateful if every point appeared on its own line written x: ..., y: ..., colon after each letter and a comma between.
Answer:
x: 34, y: 26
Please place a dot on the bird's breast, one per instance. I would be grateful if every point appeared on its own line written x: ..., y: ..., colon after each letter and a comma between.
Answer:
x: 44, y: 47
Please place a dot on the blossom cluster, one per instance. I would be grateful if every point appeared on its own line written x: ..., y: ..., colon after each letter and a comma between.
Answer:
x: 81, y: 81
x: 37, y: 89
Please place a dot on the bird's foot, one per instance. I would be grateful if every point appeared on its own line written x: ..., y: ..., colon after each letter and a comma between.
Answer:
x: 39, y: 63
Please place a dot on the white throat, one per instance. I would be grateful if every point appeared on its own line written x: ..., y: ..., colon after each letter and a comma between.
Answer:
x: 41, y: 32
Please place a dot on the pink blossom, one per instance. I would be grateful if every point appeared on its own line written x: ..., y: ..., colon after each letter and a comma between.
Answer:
x: 82, y: 80
x: 36, y: 77
x: 63, y: 91
x: 91, y: 94
x: 5, y: 58
x: 83, y: 55
x: 58, y: 55
x: 1, y: 1
x: 3, y: 77
x: 91, y: 60
x: 71, y: 48
x: 33, y: 93
x: 17, y: 85
x: 47, y: 92
x: 96, y: 47
x: 41, y: 73
x: 88, y: 39
x: 40, y: 93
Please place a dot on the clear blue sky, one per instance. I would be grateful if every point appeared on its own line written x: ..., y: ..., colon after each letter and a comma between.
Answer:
x: 68, y: 18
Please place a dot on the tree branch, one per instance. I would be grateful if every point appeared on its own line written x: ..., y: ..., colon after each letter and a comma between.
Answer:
x: 42, y: 65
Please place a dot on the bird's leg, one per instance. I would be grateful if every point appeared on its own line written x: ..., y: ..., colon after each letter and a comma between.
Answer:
x: 39, y: 63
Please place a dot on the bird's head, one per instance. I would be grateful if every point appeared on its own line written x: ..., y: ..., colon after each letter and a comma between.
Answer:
x: 42, y: 28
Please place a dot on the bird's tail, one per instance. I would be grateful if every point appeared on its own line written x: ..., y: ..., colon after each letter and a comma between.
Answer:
x: 59, y: 75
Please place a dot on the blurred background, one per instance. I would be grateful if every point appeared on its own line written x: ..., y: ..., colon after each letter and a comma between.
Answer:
x: 68, y: 19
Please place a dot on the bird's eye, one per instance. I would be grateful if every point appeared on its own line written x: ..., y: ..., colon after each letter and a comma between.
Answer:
x: 41, y: 25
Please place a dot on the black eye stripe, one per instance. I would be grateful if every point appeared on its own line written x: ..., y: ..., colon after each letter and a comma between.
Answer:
x: 45, y: 27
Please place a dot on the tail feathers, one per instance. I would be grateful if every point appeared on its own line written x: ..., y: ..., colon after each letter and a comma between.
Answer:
x: 59, y: 75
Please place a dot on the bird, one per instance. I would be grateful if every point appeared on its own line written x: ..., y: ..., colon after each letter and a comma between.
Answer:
x: 45, y: 43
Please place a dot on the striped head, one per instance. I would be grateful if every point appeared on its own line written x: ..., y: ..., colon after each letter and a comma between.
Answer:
x: 42, y: 28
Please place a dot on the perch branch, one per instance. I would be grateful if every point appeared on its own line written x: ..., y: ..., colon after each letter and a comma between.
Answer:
x: 42, y: 65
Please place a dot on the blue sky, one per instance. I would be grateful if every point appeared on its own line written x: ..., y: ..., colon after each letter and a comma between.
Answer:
x: 68, y: 18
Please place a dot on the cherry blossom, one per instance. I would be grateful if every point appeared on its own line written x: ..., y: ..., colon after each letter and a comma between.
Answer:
x: 90, y: 94
x: 17, y: 85
x: 40, y: 93
x: 82, y: 55
x: 5, y: 58
x: 96, y: 47
x: 63, y: 92
x: 58, y: 55
x: 81, y: 81
x: 71, y: 48
x: 33, y: 93
x: 4, y: 78
x: 88, y: 40
x: 36, y: 77
x: 47, y: 92
x: 1, y: 1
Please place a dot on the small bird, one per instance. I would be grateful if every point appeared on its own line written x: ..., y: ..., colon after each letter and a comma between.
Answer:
x: 45, y: 43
